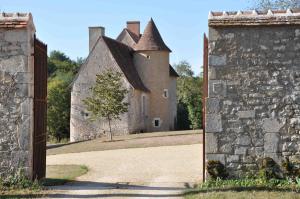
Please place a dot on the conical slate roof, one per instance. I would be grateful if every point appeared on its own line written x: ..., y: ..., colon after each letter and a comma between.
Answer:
x: 151, y: 39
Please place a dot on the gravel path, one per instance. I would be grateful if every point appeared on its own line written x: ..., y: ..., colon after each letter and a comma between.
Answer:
x: 155, y: 172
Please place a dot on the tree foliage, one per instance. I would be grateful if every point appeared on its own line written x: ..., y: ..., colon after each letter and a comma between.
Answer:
x: 58, y: 62
x: 189, y: 97
x: 59, y: 99
x: 107, y: 100
x: 61, y: 72
x: 276, y: 4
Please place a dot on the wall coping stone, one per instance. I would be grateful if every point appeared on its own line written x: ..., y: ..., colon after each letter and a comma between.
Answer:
x: 254, y: 18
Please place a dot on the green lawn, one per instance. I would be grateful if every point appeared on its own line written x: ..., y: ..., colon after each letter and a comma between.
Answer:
x: 246, y: 188
x: 244, y: 195
x: 141, y: 140
x: 60, y: 174
x: 56, y: 175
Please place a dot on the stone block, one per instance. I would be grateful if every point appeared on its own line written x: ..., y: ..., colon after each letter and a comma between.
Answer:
x: 22, y: 90
x: 244, y: 140
x: 30, y: 90
x: 216, y: 60
x: 18, y: 63
x: 297, y: 32
x: 216, y: 157
x: 212, y: 105
x: 271, y: 142
x: 229, y: 36
x: 212, y: 74
x: 226, y: 148
x: 217, y: 88
x: 240, y: 150
x: 27, y: 106
x: 232, y: 158
x: 16, y: 36
x: 211, y: 143
x: 271, y: 125
x: 246, y: 114
x: 213, y: 35
x: 213, y: 123
x: 24, y: 77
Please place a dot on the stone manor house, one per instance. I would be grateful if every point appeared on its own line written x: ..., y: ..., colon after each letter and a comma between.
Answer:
x: 143, y: 59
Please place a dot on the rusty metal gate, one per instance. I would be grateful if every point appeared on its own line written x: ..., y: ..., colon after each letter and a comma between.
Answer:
x: 40, y: 109
x: 205, y: 94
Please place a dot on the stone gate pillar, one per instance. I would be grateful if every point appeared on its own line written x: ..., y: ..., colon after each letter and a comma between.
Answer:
x: 253, y: 105
x: 16, y: 93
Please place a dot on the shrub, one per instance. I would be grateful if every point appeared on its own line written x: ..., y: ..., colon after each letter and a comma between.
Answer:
x: 291, y: 169
x: 216, y: 170
x: 18, y: 181
x: 269, y: 169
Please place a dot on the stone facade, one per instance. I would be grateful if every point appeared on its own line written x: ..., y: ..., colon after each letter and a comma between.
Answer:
x: 81, y: 127
x: 146, y: 74
x: 16, y: 93
x: 253, y: 104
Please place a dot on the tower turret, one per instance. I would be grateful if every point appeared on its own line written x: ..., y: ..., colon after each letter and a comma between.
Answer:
x: 152, y: 62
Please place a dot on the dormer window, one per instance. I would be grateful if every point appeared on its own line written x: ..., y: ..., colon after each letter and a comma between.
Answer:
x: 166, y: 93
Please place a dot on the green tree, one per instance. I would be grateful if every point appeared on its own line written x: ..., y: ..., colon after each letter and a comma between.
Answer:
x: 59, y: 62
x: 189, y: 97
x: 58, y: 113
x: 276, y: 4
x: 61, y: 72
x: 107, y: 100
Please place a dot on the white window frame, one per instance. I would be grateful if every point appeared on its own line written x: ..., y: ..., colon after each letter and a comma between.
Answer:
x: 166, y: 91
x: 159, y: 122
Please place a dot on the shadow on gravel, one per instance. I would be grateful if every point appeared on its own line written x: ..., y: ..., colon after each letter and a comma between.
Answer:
x: 101, y: 186
x: 86, y: 185
x: 97, y: 196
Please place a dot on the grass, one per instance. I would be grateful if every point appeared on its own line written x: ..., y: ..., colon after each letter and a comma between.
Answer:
x: 56, y: 175
x: 244, y: 195
x: 141, y: 140
x: 61, y: 174
x: 246, y: 188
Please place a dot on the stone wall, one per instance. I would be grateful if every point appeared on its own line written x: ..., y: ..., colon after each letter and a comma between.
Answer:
x: 253, y: 105
x: 16, y: 100
x: 81, y: 128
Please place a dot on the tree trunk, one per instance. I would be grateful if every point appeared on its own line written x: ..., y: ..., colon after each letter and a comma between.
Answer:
x: 110, y: 133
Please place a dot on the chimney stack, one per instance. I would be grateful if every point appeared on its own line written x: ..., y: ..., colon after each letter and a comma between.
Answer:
x: 94, y: 34
x: 134, y: 27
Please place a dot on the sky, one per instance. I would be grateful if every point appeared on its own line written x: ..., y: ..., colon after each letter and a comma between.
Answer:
x: 63, y: 24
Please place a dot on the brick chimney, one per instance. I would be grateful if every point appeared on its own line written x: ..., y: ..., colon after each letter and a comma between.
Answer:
x: 94, y: 34
x: 134, y: 26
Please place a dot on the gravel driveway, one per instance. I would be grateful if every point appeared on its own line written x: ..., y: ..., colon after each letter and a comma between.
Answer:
x: 155, y: 172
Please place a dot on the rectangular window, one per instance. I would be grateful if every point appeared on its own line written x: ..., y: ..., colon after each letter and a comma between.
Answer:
x: 166, y: 93
x: 156, y: 122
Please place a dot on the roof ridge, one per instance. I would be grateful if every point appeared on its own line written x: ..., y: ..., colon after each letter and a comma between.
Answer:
x: 114, y: 40
x: 135, y: 37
